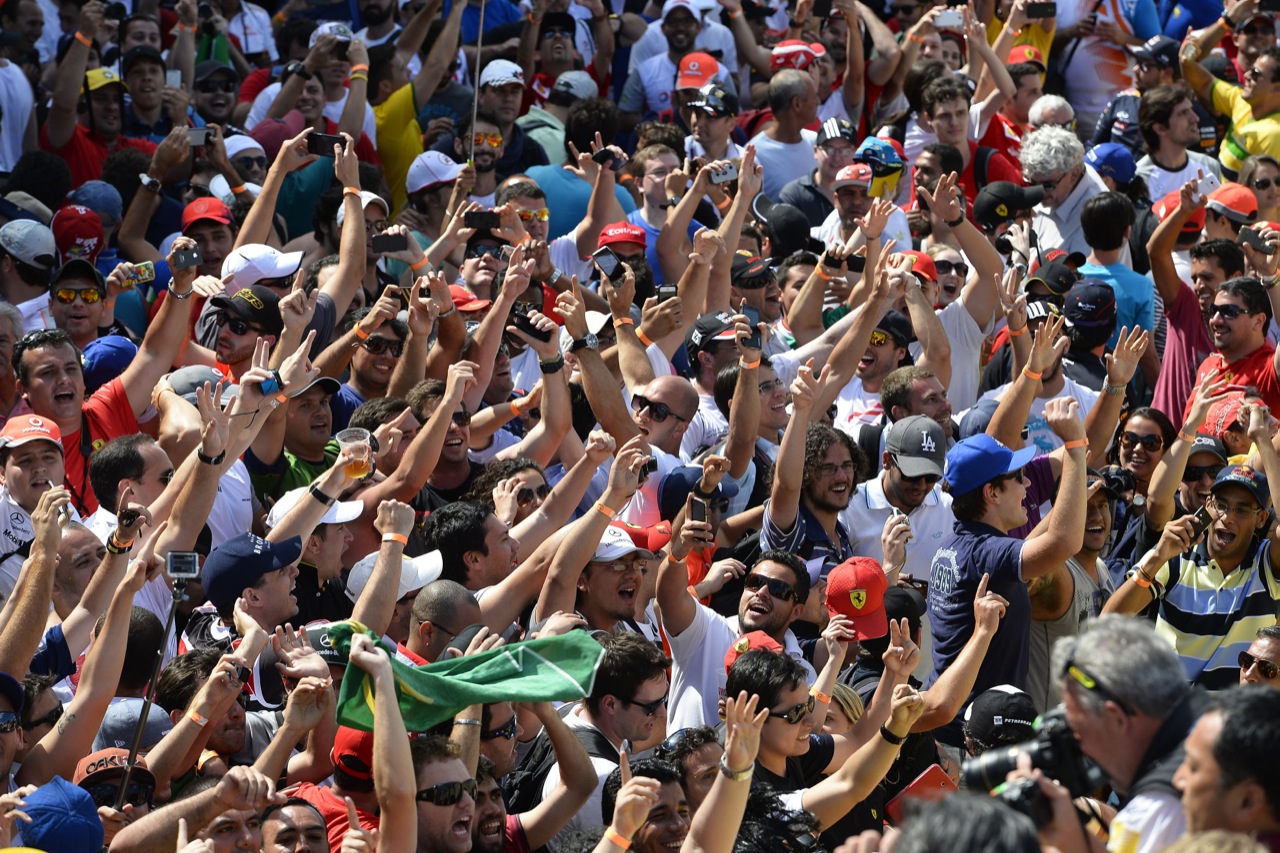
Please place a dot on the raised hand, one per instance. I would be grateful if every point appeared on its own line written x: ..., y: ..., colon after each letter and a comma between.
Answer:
x: 1123, y: 363
x: 903, y: 654
x: 246, y: 789
x: 637, y: 796
x: 368, y: 656
x: 1047, y: 345
x: 945, y: 202
x: 599, y: 447
x: 988, y: 608
x: 296, y: 657
x: 806, y: 387
x: 893, y: 541
x: 907, y: 707
x: 743, y: 725
x: 1212, y: 389
x: 309, y: 703
x: 837, y: 636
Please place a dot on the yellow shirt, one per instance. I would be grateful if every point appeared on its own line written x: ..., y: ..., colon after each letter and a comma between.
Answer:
x: 1246, y: 135
x: 1039, y: 38
x: 399, y: 141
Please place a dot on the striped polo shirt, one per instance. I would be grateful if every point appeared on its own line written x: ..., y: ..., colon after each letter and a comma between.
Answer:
x: 1247, y: 134
x: 1210, y: 618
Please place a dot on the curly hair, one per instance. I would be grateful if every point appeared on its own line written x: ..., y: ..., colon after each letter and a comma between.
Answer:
x: 821, y: 438
x: 495, y: 472
x: 1050, y: 151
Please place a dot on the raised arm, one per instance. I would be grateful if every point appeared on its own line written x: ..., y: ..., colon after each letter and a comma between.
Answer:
x: 23, y: 618
x: 577, y: 780
x: 1064, y: 534
x: 442, y: 52
x: 377, y: 603
x: 601, y: 388
x: 292, y: 155
x: 1010, y: 417
x: 788, y: 472
x: 715, y: 827
x: 61, y: 123
x: 1173, y: 464
x: 744, y: 409
x: 946, y: 696
x: 173, y: 150
x: 1100, y: 425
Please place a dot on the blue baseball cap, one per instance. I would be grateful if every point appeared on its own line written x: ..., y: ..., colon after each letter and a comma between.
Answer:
x: 680, y: 483
x: 106, y: 358
x: 1112, y: 160
x: 1246, y: 478
x: 979, y: 459
x: 240, y: 561
x: 102, y: 198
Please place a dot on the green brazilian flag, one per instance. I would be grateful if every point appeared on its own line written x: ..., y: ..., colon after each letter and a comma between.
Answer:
x: 553, y: 668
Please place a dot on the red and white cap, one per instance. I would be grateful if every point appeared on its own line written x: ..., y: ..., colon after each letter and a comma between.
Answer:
x: 853, y: 175
x: 21, y: 429
x: 622, y: 232
x: 795, y: 53
x: 429, y: 169
x: 696, y: 70
x: 255, y: 262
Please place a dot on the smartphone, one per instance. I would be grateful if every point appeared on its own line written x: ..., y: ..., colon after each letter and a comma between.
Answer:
x: 932, y: 784
x: 322, y: 143
x: 507, y: 252
x: 1250, y: 237
x: 753, y: 317
x: 725, y: 175
x: 857, y: 263
x: 142, y: 273
x: 667, y: 291
x: 607, y: 261
x: 198, y: 135
x: 951, y: 18
x: 385, y: 243
x: 185, y: 259
x: 1206, y: 185
x: 524, y: 324
x: 182, y: 565
x: 1042, y: 10
x: 1199, y: 523
x: 697, y: 509
x: 482, y: 219
x: 1269, y: 6
x: 173, y: 78
x: 605, y: 157
x: 340, y: 49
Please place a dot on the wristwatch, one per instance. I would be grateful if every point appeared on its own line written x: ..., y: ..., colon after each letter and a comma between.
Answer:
x: 587, y: 341
x: 297, y: 67
x: 149, y: 183
x: 672, y: 201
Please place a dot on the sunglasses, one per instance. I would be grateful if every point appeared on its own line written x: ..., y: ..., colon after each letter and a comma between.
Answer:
x: 658, y: 411
x: 1050, y: 186
x: 541, y: 214
x: 199, y: 190
x: 879, y: 337
x: 462, y: 418
x: 48, y: 719
x: 671, y: 744
x: 649, y: 708
x: 8, y: 722
x: 494, y: 140
x: 260, y: 162
x: 1082, y: 677
x: 1195, y: 473
x: 795, y: 713
x: 67, y: 295
x: 1150, y: 443
x: 1268, y: 669
x: 381, y: 346
x: 1263, y: 183
x: 780, y: 590
x: 236, y: 325
x: 960, y: 268
x: 508, y: 731
x: 137, y: 794
x: 1228, y: 311
x: 448, y: 793
x: 481, y: 251
x: 208, y: 87
x: 550, y: 34
x: 928, y: 479
x: 525, y: 496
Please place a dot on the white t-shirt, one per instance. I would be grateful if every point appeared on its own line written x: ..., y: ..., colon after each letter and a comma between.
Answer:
x: 1038, y: 432
x: 869, y: 509
x: 1161, y: 182
x: 1150, y: 822
x: 708, y: 427
x: 966, y: 339
x: 252, y: 28
x: 857, y: 405
x: 713, y: 36
x: 655, y: 80
x: 642, y: 510
x: 332, y: 111
x: 232, y: 512
x: 16, y: 100
x: 36, y: 314
x: 784, y: 162
x: 590, y: 814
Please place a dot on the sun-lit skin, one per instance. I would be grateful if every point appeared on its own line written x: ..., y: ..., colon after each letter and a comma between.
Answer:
x: 1265, y: 649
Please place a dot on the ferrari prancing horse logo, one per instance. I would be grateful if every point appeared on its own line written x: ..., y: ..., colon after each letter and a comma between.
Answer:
x: 859, y: 598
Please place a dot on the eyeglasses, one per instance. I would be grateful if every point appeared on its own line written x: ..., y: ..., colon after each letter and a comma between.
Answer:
x: 1268, y: 669
x: 136, y: 795
x: 525, y: 496
x: 879, y: 337
x: 1228, y: 311
x: 67, y: 295
x: 830, y: 469
x: 771, y: 385
x: 1263, y: 183
x: 8, y: 722
x: 541, y: 214
x: 795, y: 713
x: 960, y: 268
x: 381, y: 346
x: 1088, y: 682
x: 1050, y: 186
x: 837, y: 150
x: 1151, y: 442
x: 1225, y: 510
x: 649, y: 708
x: 236, y: 325
x: 481, y: 251
x: 1195, y: 473
x: 260, y: 162
x: 494, y: 140
x: 928, y: 479
x: 462, y: 418
x: 633, y: 561
x: 208, y: 87
x: 507, y: 730
x: 48, y: 719
x: 780, y: 590
x: 550, y: 34
x: 448, y: 793
x: 658, y: 411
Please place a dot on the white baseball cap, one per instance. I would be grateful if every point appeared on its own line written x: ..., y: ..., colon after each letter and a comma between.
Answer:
x: 255, y: 262
x: 340, y: 513
x: 500, y: 72
x: 337, y: 29
x: 415, y: 573
x: 366, y: 198
x: 615, y: 543
x: 239, y: 143
x: 430, y: 168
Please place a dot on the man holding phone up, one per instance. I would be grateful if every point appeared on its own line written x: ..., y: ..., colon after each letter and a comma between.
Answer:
x: 1225, y: 585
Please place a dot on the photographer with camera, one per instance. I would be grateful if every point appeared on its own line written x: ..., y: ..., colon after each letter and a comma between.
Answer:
x: 1126, y: 699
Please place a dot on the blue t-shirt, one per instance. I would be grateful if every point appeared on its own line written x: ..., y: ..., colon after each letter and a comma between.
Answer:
x: 636, y: 217
x: 53, y: 657
x: 1135, y: 297
x: 975, y: 549
x: 343, y: 404
x: 568, y: 197
x: 496, y: 13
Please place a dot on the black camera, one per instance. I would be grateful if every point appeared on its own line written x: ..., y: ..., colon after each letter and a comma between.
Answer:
x: 115, y: 12
x: 1054, y: 750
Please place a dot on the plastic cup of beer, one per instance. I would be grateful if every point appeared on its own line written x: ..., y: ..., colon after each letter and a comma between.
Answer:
x: 359, y: 452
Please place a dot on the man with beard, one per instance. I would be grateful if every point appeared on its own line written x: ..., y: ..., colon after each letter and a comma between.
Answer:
x: 852, y: 187
x: 380, y: 23
x: 214, y: 92
x: 907, y: 490
x: 249, y: 314
x: 1238, y: 321
x: 496, y: 831
x: 487, y: 151
x: 935, y: 160
x: 500, y: 97
x: 1171, y: 133
x: 555, y: 55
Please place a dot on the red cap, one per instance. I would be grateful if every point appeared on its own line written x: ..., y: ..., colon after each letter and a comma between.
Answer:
x: 1223, y: 414
x: 21, y: 429
x: 353, y: 752
x: 653, y: 538
x: 622, y: 232
x: 923, y: 265
x: 1027, y: 53
x: 696, y: 70
x: 1234, y: 201
x: 205, y: 208
x: 855, y: 174
x: 77, y: 231
x: 465, y: 300
x: 1169, y: 204
x: 795, y: 53
x: 856, y: 589
x: 748, y: 642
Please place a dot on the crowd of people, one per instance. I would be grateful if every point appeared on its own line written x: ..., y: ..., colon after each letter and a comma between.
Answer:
x: 570, y: 425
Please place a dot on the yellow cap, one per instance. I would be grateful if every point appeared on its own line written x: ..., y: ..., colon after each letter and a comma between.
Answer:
x: 96, y: 78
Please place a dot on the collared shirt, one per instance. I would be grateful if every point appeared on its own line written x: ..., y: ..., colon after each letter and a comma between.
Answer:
x: 134, y: 126
x: 319, y: 599
x: 1059, y: 228
x: 807, y: 539
x: 931, y: 523
x: 805, y: 194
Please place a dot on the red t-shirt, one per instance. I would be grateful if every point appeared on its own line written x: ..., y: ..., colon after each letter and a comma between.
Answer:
x: 514, y: 840
x: 1257, y: 368
x: 1005, y: 137
x: 1186, y: 345
x: 334, y: 810
x: 109, y: 415
x: 998, y: 169
x: 85, y: 151
x: 253, y: 85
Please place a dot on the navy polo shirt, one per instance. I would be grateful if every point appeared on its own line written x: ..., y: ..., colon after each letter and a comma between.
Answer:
x: 975, y: 549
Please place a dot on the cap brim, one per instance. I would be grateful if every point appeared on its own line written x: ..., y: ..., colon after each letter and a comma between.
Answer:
x: 870, y: 626
x: 613, y: 552
x: 1022, y: 458
x: 18, y: 442
x: 343, y: 512
x: 918, y: 466
x: 327, y: 381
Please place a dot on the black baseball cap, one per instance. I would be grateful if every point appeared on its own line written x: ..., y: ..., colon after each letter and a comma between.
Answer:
x: 1001, y: 201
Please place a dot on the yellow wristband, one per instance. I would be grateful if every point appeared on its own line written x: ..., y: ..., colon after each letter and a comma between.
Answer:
x: 644, y: 339
x: 1031, y: 374
x: 358, y: 75
x: 611, y: 835
x: 360, y: 333
x: 1021, y: 331
x: 395, y: 537
x: 604, y: 510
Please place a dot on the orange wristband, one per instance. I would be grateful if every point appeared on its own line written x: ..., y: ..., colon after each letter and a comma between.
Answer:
x: 1031, y: 374
x: 360, y: 66
x: 623, y: 321
x: 515, y: 410
x: 611, y: 835
x: 822, y: 275
x: 395, y: 537
x: 819, y: 695
x: 237, y: 190
x: 1141, y: 580
x: 604, y: 510
x: 198, y: 720
x: 1079, y: 442
x: 420, y: 264
x: 1021, y: 331
x: 84, y: 39
x: 748, y: 365
x: 360, y: 333
x: 724, y: 204
x: 355, y: 191
x: 644, y: 339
